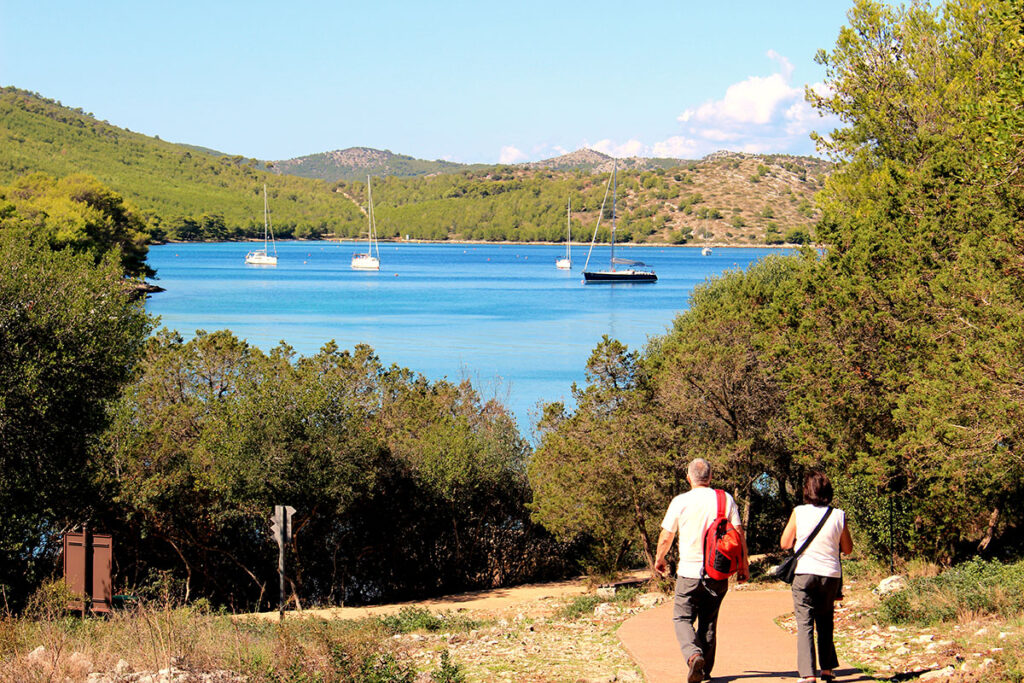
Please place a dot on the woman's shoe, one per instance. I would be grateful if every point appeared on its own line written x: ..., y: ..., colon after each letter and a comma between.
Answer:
x: 807, y: 679
x: 828, y: 676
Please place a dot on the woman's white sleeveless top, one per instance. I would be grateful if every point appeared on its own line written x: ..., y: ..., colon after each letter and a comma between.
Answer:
x: 822, y: 555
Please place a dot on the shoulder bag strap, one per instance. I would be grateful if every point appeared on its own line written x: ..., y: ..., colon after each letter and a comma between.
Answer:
x: 814, y: 533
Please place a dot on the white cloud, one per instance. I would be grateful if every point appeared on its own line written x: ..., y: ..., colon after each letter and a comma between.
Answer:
x: 762, y: 114
x: 676, y: 147
x: 758, y: 114
x: 787, y: 66
x: 630, y: 148
x: 754, y: 100
x: 510, y: 155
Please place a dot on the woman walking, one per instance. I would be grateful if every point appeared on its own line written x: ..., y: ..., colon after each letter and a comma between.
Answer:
x: 818, y: 574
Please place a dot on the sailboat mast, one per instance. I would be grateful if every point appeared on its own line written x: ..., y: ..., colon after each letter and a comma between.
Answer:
x: 266, y: 209
x: 369, y: 218
x: 615, y: 193
x: 568, y: 225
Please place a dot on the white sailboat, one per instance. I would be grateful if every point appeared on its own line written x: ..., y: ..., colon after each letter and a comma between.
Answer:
x: 566, y: 263
x: 636, y: 270
x: 262, y: 257
x: 367, y: 261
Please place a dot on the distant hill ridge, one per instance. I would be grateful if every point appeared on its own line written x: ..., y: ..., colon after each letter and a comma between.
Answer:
x: 355, y: 163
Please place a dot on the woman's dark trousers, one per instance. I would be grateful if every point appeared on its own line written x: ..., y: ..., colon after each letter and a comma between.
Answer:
x: 814, y: 606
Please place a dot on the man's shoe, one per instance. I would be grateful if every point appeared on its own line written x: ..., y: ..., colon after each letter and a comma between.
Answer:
x: 696, y: 663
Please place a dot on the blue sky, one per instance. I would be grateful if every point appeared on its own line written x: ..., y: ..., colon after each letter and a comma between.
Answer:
x: 465, y: 81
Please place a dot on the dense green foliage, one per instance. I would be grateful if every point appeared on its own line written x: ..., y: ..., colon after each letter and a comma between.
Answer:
x: 75, y: 213
x: 603, y: 472
x: 402, y: 487
x: 69, y: 338
x: 908, y: 348
x: 892, y: 359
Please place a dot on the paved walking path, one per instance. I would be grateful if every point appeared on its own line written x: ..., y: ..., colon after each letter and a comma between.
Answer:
x: 751, y: 647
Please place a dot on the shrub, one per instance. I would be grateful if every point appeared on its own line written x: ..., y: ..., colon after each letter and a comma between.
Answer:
x: 798, y: 236
x: 585, y: 604
x: 411, y: 619
x: 448, y: 671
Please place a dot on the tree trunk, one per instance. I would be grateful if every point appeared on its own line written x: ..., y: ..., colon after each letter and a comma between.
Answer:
x: 645, y: 539
x: 990, y: 533
x: 188, y: 567
x: 748, y: 514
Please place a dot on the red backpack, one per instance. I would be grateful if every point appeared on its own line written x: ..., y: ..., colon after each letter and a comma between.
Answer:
x: 723, y: 548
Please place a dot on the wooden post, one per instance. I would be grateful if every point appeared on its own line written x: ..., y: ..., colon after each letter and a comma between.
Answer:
x: 281, y: 526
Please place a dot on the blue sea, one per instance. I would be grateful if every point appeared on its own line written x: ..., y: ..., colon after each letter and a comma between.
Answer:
x: 501, y: 315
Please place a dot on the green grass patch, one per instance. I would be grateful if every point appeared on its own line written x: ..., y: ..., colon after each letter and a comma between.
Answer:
x: 585, y: 604
x: 974, y: 588
x: 411, y: 619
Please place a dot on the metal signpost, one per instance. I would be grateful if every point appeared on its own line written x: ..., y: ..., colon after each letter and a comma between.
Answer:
x: 281, y: 526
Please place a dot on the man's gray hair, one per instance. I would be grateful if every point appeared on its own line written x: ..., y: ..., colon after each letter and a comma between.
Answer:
x: 699, y: 471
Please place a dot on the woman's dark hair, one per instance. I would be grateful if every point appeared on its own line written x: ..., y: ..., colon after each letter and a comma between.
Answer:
x: 817, y: 488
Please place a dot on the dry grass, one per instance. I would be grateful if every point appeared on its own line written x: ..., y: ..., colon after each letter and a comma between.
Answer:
x: 532, y: 641
x: 153, y: 636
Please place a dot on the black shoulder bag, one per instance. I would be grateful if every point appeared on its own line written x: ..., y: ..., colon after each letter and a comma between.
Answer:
x: 786, y: 571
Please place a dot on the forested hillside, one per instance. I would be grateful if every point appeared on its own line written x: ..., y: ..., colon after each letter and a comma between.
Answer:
x: 726, y: 198
x: 180, y: 191
x: 187, y: 193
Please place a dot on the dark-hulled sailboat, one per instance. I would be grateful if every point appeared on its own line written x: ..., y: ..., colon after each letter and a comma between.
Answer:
x: 636, y: 271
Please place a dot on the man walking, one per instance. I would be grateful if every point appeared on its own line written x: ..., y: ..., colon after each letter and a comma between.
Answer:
x: 698, y: 597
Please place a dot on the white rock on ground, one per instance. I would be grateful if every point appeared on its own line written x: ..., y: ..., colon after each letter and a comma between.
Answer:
x: 37, y: 657
x: 650, y: 599
x: 891, y: 584
x: 937, y: 674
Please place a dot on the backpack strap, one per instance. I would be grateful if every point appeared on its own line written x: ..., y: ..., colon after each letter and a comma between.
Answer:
x: 814, y: 533
x: 720, y: 512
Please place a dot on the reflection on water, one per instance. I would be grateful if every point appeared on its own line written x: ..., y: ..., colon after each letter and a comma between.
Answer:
x: 500, y: 315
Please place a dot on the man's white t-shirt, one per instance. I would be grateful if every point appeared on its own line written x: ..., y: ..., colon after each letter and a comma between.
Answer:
x: 689, y: 516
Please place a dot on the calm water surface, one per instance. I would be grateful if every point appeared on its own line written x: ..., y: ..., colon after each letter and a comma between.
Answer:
x: 501, y: 315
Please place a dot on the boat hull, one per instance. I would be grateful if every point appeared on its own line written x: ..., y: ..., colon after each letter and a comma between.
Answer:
x: 365, y: 262
x: 259, y: 258
x: 563, y: 264
x: 609, y: 276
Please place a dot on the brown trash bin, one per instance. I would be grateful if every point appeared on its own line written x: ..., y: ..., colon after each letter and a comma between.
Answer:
x: 88, y: 562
